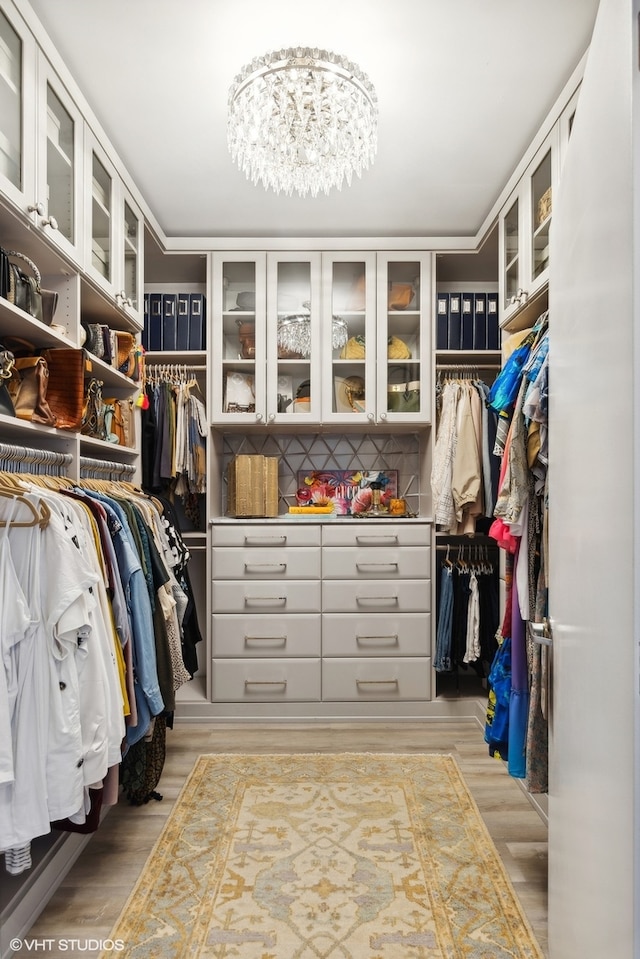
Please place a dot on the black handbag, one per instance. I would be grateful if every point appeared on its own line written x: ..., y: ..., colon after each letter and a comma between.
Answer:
x: 26, y: 292
x: 7, y: 363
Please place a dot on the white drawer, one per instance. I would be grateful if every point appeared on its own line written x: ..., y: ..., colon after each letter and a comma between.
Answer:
x: 266, y: 680
x: 366, y: 562
x: 250, y: 563
x: 301, y: 596
x: 372, y: 533
x: 371, y: 596
x: 265, y: 636
x: 376, y: 679
x: 405, y: 634
x: 265, y: 537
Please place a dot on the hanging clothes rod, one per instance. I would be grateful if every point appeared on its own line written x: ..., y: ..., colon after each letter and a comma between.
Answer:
x: 452, y: 367
x: 104, y: 469
x: 172, y: 369
x: 23, y: 459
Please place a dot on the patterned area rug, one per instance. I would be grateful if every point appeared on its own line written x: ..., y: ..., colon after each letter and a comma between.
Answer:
x: 347, y: 856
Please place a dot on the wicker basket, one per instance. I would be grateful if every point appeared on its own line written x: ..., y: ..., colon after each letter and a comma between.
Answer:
x: 252, y: 486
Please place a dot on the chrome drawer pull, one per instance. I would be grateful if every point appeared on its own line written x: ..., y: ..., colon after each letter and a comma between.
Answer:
x: 264, y: 682
x: 381, y: 538
x: 376, y: 682
x: 250, y: 600
x: 389, y: 600
x: 387, y: 640
x: 376, y: 565
x: 276, y: 640
x: 264, y: 540
x: 278, y: 566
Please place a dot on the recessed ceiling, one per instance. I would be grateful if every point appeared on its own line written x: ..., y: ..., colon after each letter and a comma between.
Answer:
x: 463, y: 86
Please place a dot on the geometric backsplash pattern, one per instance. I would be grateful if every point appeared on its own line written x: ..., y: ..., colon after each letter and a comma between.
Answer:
x: 327, y: 451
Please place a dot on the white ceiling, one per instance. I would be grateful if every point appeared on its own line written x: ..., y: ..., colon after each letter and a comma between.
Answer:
x: 463, y: 86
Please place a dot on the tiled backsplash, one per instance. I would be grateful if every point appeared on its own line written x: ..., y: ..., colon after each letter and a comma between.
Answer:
x: 328, y: 451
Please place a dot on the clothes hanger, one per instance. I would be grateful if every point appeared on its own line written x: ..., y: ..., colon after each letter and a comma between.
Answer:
x: 39, y: 517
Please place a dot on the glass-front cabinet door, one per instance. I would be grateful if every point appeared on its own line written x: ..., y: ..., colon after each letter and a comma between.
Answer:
x: 60, y: 163
x: 101, y: 179
x: 239, y: 376
x: 524, y: 231
x: 130, y: 237
x: 405, y: 298
x: 17, y: 109
x: 294, y: 347
x: 348, y: 337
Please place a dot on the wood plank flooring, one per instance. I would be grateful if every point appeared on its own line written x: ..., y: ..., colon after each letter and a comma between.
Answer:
x: 91, y: 896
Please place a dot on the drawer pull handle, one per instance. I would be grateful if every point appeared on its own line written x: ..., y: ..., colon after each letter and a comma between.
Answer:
x: 279, y: 566
x: 260, y: 600
x: 264, y: 540
x: 385, y: 600
x: 264, y: 682
x: 381, y: 538
x: 275, y: 640
x: 376, y: 682
x: 386, y: 640
x: 375, y: 565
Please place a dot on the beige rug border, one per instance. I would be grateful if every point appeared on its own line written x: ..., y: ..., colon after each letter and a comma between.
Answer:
x: 487, y: 842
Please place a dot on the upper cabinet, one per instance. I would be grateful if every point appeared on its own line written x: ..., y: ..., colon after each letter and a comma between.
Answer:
x: 114, y: 232
x: 332, y: 338
x: 18, y: 57
x: 524, y: 230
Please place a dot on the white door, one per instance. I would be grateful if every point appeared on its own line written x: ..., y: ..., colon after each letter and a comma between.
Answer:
x: 594, y: 497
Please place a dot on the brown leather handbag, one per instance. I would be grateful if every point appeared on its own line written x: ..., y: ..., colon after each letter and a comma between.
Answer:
x: 28, y: 387
x: 66, y: 386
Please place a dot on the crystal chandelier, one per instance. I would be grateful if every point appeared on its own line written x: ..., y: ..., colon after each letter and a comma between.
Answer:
x: 302, y: 120
x: 294, y: 334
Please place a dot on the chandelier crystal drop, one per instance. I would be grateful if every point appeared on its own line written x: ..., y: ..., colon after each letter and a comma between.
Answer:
x: 302, y: 120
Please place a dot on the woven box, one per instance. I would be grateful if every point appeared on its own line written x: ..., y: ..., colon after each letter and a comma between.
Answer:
x: 252, y: 486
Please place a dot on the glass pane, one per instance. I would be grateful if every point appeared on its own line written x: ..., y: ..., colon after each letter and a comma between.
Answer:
x: 511, y: 235
x: 131, y: 252
x: 403, y: 338
x: 238, y: 337
x: 101, y: 219
x: 347, y: 333
x: 10, y: 103
x: 294, y: 341
x: 541, y: 215
x: 60, y: 169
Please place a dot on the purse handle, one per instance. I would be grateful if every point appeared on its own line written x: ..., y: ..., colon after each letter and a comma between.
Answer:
x: 29, y: 262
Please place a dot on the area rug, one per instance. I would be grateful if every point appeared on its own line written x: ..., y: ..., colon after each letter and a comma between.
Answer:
x: 317, y: 856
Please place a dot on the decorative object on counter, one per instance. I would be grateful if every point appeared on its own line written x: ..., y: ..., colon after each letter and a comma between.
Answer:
x: 26, y: 291
x: 350, y: 491
x: 252, y: 486
x: 349, y: 394
x: 247, y: 338
x: 240, y: 396
x: 302, y: 120
x: 397, y: 507
x: 311, y: 509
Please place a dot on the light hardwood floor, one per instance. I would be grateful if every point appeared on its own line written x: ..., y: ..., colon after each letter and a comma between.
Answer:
x: 91, y: 896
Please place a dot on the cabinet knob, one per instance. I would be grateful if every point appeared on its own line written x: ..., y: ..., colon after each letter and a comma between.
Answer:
x: 383, y: 416
x: 272, y: 417
x: 370, y: 417
x: 259, y: 417
x: 52, y: 222
x: 36, y: 208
